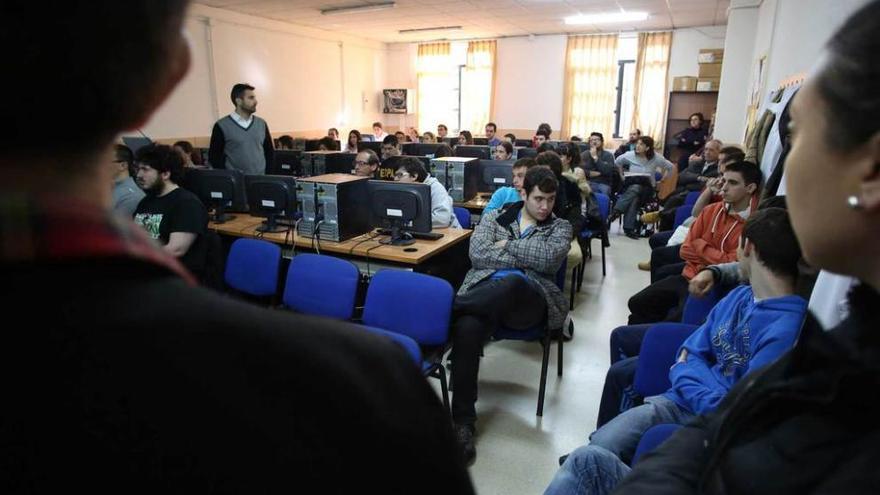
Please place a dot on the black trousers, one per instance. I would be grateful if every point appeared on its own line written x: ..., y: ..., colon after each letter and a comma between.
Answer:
x: 663, y: 257
x: 660, y: 238
x: 511, y: 301
x: 660, y: 301
x: 618, y: 394
x: 626, y: 341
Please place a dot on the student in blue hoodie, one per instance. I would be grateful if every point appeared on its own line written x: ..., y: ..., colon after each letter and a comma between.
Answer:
x: 748, y: 329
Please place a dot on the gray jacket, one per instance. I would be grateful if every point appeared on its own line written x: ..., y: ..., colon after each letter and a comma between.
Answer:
x: 539, y: 255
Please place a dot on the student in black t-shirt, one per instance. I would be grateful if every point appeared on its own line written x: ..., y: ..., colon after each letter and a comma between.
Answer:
x: 174, y: 216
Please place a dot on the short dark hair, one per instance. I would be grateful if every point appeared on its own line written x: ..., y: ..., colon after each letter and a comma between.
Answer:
x: 413, y: 167
x: 770, y: 231
x: 732, y: 153
x: 773, y: 202
x: 391, y: 139
x: 527, y: 162
x: 443, y: 150
x: 545, y: 127
x: 332, y: 129
x: 163, y: 159
x: 123, y: 154
x: 598, y: 135
x: 750, y: 172
x: 98, y: 68
x: 648, y: 141
x: 546, y: 146
x: 511, y: 136
x: 286, y: 141
x: 377, y: 124
x: 848, y: 81
x: 551, y: 160
x: 543, y: 132
x: 541, y: 177
x: 184, y: 145
x: 576, y: 139
x: 443, y: 126
x: 507, y: 147
x: 698, y: 114
x: 572, y: 151
x: 328, y: 143
x: 238, y: 91
x: 493, y: 126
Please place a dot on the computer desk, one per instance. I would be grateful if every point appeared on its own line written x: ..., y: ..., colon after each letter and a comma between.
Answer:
x: 446, y: 257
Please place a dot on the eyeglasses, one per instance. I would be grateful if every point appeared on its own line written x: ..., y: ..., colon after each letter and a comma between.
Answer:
x: 360, y: 163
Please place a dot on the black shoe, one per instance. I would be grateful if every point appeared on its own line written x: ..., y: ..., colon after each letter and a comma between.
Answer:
x: 632, y: 235
x: 464, y: 436
x: 614, y: 216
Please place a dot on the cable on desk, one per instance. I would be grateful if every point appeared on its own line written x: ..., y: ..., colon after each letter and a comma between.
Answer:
x: 367, y: 255
x: 368, y: 239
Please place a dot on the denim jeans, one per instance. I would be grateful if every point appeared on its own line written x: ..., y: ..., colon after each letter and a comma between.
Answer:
x: 628, y: 205
x: 598, y: 467
x: 618, y: 394
x: 601, y: 188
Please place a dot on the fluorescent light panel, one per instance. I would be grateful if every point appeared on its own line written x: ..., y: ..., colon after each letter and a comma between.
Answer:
x: 356, y: 9
x: 609, y: 18
x: 422, y: 30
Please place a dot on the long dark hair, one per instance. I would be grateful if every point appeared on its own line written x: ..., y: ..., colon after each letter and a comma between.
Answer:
x: 356, y: 133
x: 648, y: 141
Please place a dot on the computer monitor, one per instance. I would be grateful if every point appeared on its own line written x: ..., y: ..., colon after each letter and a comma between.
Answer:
x: 220, y: 190
x: 273, y: 197
x: 339, y: 163
x: 422, y: 149
x: 286, y: 162
x: 472, y: 151
x: 375, y: 146
x: 401, y: 207
x: 136, y: 143
x: 523, y: 142
x: 312, y: 144
x: 526, y: 152
x: 481, y: 141
x: 451, y: 141
x: 392, y: 163
x: 495, y: 174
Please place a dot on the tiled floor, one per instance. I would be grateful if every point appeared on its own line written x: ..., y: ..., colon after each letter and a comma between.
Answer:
x: 517, y: 452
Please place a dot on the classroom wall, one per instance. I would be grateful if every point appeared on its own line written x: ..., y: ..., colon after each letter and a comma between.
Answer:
x: 306, y: 79
x: 686, y: 46
x: 791, y: 33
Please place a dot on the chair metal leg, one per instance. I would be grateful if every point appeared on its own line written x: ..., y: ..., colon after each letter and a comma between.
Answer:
x: 444, y: 389
x: 544, y: 365
x: 574, y: 272
x: 559, y: 354
x: 603, y: 256
x: 581, y: 274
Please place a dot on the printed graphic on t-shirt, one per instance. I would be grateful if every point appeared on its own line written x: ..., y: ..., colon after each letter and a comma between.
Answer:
x: 150, y: 222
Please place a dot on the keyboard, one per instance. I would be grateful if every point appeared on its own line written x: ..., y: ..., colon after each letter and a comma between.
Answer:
x: 424, y: 236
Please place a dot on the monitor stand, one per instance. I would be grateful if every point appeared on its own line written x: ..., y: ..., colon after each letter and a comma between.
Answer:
x: 221, y: 217
x: 271, y: 225
x: 399, y: 237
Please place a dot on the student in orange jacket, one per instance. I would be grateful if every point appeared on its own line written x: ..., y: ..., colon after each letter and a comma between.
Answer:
x: 713, y: 238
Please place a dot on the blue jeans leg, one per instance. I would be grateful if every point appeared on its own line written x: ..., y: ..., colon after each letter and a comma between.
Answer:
x: 601, y: 188
x: 621, y: 435
x: 588, y: 470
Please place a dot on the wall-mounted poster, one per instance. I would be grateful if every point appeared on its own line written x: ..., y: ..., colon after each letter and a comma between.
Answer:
x: 395, y: 101
x: 755, y: 92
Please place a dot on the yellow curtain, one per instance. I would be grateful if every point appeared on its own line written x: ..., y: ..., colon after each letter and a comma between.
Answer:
x: 651, y: 95
x: 478, y: 86
x: 590, y: 82
x: 435, y: 98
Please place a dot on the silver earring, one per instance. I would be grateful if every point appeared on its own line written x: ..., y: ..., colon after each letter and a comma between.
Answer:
x: 854, y: 202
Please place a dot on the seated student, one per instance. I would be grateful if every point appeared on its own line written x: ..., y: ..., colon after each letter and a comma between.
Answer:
x: 541, y: 137
x: 366, y: 164
x: 515, y: 253
x: 410, y: 169
x: 576, y: 139
x: 630, y: 144
x: 505, y: 195
x: 465, y: 137
x: 390, y: 147
x: 126, y: 193
x: 333, y: 133
x: 570, y: 155
x: 491, y: 129
x: 326, y: 143
x: 187, y: 153
x: 412, y: 134
x: 401, y: 137
x: 700, y: 168
x: 502, y: 151
x: 442, y: 131
x: 747, y: 330
x: 354, y: 137
x: 568, y: 197
x: 170, y: 214
x: 429, y: 137
x: 510, y: 138
x: 712, y: 239
x: 639, y: 189
x: 379, y: 133
x: 599, y: 164
x: 286, y: 142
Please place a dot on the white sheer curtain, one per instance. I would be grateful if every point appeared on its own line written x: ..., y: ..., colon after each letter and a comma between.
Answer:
x: 435, y: 96
x: 590, y: 82
x: 651, y: 90
x: 478, y: 86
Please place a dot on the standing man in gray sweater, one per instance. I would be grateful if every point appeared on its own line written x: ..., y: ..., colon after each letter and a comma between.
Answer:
x: 241, y: 141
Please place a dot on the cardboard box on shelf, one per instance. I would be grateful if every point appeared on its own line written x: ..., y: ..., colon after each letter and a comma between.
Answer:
x: 708, y: 83
x: 710, y: 70
x: 711, y: 56
x: 685, y: 83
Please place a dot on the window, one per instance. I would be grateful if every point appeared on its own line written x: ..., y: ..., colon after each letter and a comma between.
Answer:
x: 626, y: 75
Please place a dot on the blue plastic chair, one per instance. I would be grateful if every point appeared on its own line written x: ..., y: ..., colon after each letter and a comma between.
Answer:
x: 418, y: 306
x: 657, y: 355
x: 409, y: 345
x: 696, y: 309
x: 682, y: 213
x: 544, y: 335
x: 321, y: 285
x: 652, y: 439
x: 587, y: 236
x: 691, y: 198
x: 253, y: 267
x: 464, y: 216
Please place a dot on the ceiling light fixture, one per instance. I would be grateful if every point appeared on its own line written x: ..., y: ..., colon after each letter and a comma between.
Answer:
x: 609, y: 18
x: 422, y: 30
x: 356, y: 9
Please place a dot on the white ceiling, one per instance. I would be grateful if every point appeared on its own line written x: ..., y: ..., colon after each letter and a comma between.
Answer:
x: 478, y: 18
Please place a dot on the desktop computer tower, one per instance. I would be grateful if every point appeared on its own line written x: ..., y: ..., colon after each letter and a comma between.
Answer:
x: 461, y: 175
x: 340, y: 200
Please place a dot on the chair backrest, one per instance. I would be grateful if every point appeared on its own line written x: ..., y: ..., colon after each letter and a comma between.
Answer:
x: 691, y: 198
x: 464, y: 217
x: 696, y: 309
x: 253, y: 267
x: 560, y: 275
x: 409, y: 345
x: 413, y: 304
x: 321, y: 285
x: 682, y: 213
x: 652, y: 439
x: 656, y: 356
x: 604, y: 204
